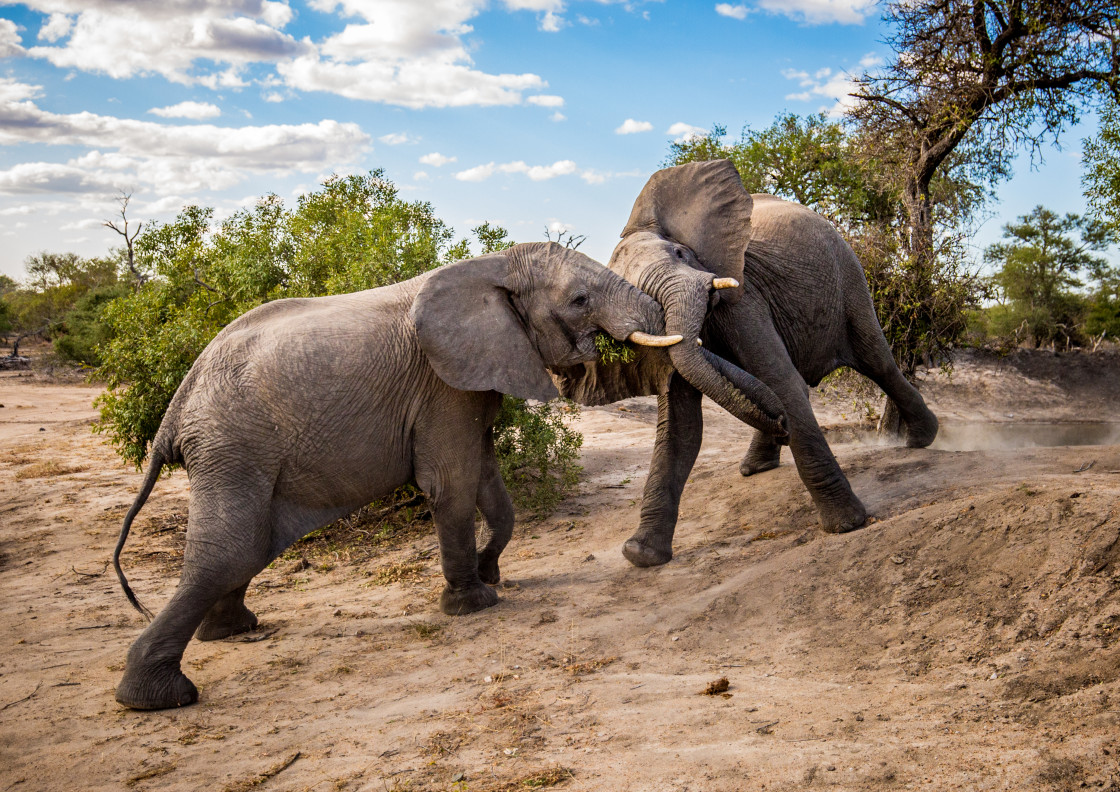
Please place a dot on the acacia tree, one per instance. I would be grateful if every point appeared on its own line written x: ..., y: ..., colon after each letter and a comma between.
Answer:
x: 991, y: 76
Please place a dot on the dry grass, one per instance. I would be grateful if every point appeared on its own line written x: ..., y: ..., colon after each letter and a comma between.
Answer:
x: 399, y: 572
x: 47, y: 469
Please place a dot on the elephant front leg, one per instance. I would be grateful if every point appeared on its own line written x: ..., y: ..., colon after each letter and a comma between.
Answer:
x: 494, y: 502
x: 680, y: 428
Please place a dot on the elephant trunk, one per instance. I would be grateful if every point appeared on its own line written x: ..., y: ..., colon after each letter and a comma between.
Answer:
x: 633, y: 316
x: 742, y: 395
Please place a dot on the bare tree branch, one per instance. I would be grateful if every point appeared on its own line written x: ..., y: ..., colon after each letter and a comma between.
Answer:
x: 122, y: 229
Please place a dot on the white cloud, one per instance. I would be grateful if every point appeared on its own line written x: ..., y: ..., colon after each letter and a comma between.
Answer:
x: 630, y: 127
x: 193, y: 110
x: 546, y: 100
x: 552, y: 23
x: 820, y: 12
x: 683, y: 132
x: 559, y: 227
x: 733, y: 11
x: 171, y: 158
x: 57, y: 26
x: 396, y: 139
x: 534, y: 172
x: 406, y: 53
x: 421, y: 176
x: 10, y: 43
x: 437, y: 160
x: 836, y: 86
x: 558, y: 116
x: 123, y: 38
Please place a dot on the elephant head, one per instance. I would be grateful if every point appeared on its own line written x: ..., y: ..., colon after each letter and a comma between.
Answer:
x: 684, y: 245
x: 495, y: 322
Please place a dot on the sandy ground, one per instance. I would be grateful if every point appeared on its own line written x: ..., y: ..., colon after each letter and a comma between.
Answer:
x: 967, y: 638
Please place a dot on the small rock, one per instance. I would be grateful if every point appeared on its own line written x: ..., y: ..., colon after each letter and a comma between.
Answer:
x: 897, y: 559
x: 488, y: 679
x: 590, y: 557
x: 831, y: 768
x: 676, y: 637
x: 41, y: 429
x: 859, y: 717
x: 459, y: 777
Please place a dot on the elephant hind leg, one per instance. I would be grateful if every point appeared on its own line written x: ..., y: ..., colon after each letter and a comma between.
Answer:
x: 226, y: 546
x: 228, y: 616
x: 764, y: 454
x: 876, y: 362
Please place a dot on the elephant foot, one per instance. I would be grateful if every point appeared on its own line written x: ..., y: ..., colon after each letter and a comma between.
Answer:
x: 159, y: 687
x: 641, y: 553
x: 460, y: 601
x: 749, y: 466
x: 920, y: 433
x: 842, y: 520
x: 225, y: 623
x: 764, y: 454
x: 488, y: 569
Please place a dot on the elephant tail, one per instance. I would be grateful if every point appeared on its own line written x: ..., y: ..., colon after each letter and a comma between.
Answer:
x: 155, y: 465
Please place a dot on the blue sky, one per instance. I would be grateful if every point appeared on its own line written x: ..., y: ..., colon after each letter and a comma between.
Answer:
x: 525, y: 113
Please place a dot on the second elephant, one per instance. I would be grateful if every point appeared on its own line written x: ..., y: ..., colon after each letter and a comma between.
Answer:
x: 796, y: 306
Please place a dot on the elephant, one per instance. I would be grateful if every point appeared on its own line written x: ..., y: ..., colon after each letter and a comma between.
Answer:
x: 302, y: 410
x: 793, y: 307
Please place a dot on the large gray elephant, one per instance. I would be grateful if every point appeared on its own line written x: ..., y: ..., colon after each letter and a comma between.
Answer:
x: 794, y: 307
x: 302, y: 410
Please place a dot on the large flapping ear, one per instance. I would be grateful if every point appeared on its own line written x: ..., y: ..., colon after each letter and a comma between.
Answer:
x: 703, y: 206
x: 471, y: 334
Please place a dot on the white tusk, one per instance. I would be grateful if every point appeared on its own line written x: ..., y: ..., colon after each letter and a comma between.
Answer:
x: 699, y: 342
x: 725, y: 283
x: 645, y: 339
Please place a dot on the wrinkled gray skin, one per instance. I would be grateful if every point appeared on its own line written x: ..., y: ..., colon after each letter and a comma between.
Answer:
x: 302, y: 410
x: 802, y: 309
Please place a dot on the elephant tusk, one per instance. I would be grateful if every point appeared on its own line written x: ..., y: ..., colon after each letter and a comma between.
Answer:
x: 699, y: 342
x: 725, y: 283
x: 645, y: 339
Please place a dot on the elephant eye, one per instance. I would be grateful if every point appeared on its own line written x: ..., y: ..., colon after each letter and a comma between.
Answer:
x: 579, y: 301
x: 679, y: 254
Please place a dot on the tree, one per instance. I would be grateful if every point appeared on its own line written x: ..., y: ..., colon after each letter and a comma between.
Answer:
x: 1039, y: 269
x: 990, y: 76
x: 1101, y: 158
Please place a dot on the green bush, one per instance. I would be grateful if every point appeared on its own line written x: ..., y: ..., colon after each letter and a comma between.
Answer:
x: 537, y: 452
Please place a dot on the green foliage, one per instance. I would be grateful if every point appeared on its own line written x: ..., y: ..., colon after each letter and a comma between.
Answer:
x: 1101, y: 158
x: 537, y: 452
x: 353, y: 233
x: 1038, y: 276
x: 84, y: 331
x: 611, y: 351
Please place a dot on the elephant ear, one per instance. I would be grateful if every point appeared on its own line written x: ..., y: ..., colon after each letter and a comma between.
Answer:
x: 471, y: 334
x: 703, y: 206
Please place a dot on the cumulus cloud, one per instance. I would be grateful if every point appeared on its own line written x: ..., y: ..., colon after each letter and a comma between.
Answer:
x: 396, y: 139
x: 558, y: 116
x: 10, y: 43
x: 683, y: 132
x: 405, y: 53
x: 546, y: 100
x: 193, y: 110
x: 123, y: 38
x: 820, y: 12
x: 733, y: 11
x: 630, y: 127
x: 437, y: 160
x: 175, y: 158
x: 534, y: 172
x: 825, y: 83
